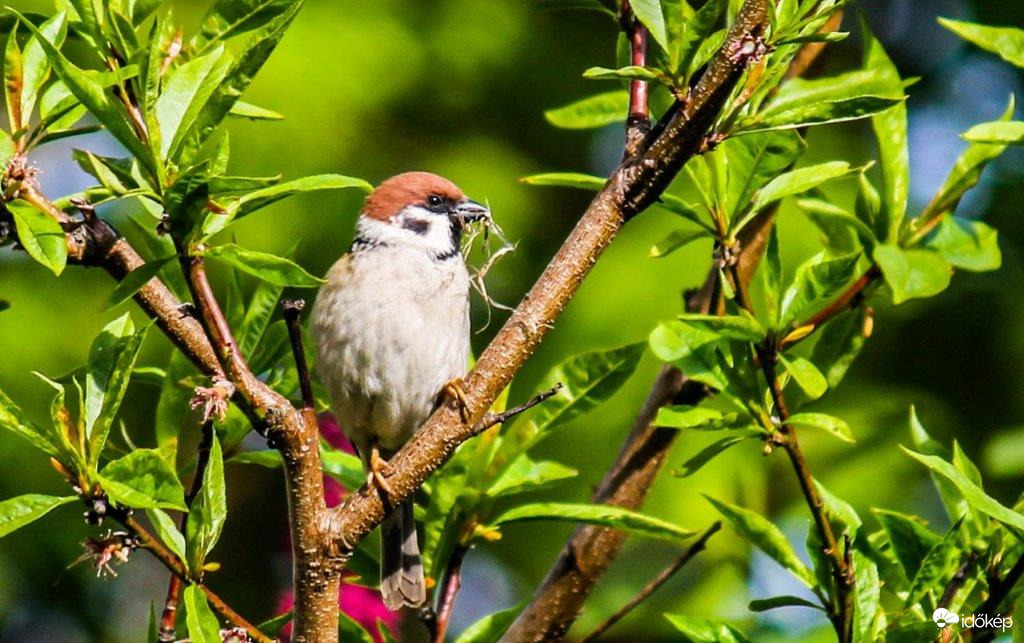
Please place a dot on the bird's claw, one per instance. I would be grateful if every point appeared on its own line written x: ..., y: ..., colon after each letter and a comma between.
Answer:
x: 453, y: 390
x: 376, y: 476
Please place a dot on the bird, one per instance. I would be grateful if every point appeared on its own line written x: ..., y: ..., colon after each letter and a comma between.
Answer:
x: 392, y: 333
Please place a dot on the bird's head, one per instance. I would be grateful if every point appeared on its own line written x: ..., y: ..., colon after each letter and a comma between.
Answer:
x: 417, y: 209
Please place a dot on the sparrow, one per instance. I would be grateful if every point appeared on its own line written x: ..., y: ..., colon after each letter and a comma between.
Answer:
x: 391, y: 328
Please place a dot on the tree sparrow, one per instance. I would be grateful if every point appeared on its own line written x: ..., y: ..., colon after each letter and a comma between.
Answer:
x: 391, y: 328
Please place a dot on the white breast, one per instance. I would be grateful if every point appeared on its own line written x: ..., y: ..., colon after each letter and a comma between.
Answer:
x: 391, y: 327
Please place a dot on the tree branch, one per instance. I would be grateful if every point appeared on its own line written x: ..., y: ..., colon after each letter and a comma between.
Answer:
x: 998, y: 592
x: 492, y: 419
x: 655, y: 583
x: 169, y: 616
x: 449, y: 589
x: 638, y: 122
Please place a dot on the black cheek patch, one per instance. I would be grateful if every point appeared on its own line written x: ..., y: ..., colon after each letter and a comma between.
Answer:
x: 419, y: 226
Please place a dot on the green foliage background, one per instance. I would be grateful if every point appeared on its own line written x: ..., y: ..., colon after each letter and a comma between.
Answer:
x: 459, y: 87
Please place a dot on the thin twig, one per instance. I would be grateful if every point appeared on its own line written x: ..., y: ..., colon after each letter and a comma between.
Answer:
x: 292, y: 309
x: 957, y: 581
x: 841, y: 609
x: 638, y: 122
x: 169, y: 616
x: 492, y: 419
x: 846, y: 300
x: 177, y: 567
x: 448, y: 590
x: 654, y: 583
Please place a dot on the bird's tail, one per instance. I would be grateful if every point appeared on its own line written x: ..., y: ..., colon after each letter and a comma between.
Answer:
x: 401, y: 568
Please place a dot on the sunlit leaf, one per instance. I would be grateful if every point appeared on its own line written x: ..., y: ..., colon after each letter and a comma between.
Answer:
x: 703, y: 630
x: 1007, y: 42
x: 909, y: 538
x: 594, y: 111
x: 228, y: 18
x: 806, y: 375
x: 675, y: 240
x: 997, y: 132
x: 36, y: 63
x: 890, y: 128
x: 526, y: 474
x: 827, y: 423
x: 491, y: 627
x: 764, y: 535
x: 604, y: 515
x: 17, y: 512
x: 818, y: 281
x: 167, y: 531
x: 912, y: 274
x: 966, y: 244
x: 202, y: 623
x: 186, y: 91
x: 208, y: 511
x: 745, y: 329
x: 40, y: 235
x: 268, y: 267
x: 143, y: 480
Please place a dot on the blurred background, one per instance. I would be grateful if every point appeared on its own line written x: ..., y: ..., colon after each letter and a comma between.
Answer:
x: 371, y: 88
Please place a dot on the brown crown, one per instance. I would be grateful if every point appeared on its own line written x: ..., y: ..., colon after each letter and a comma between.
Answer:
x: 410, y: 188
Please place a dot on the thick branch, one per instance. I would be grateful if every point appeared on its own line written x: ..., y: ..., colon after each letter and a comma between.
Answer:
x: 655, y: 583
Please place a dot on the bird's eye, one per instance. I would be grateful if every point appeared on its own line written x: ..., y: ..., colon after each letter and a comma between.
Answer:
x: 433, y: 200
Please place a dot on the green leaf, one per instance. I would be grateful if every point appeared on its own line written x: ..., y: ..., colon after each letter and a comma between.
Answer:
x: 972, y: 493
x: 186, y: 90
x: 248, y: 61
x: 567, y: 180
x: 167, y: 531
x: 89, y: 88
x: 241, y: 109
x: 208, y: 511
x: 274, y: 626
x: 229, y: 18
x: 799, y: 181
x: 143, y: 480
x: 594, y: 111
x: 997, y: 132
x: 860, y: 83
x: 708, y: 453
x: 828, y: 423
x: 971, y: 245
x: 936, y: 569
x: 698, y: 418
x: 268, y: 267
x: 822, y: 113
x: 745, y: 329
x: 695, y: 32
x: 909, y: 538
x: 806, y: 375
x: 763, y: 534
x: 890, y: 128
x: 649, y: 13
x: 765, y: 604
x: 867, y: 590
x: 12, y: 419
x: 631, y: 72
x: 818, y: 281
x: 491, y: 627
x: 587, y: 380
x: 604, y: 515
x: 257, y: 316
x: 40, y: 235
x: 703, y: 630
x: 350, y: 630
x: 17, y: 512
x: 912, y: 273
x: 526, y: 474
x: 35, y: 62
x: 258, y: 199
x: 752, y: 162
x: 1007, y: 42
x: 771, y: 276
x: 690, y: 349
x: 172, y: 406
x: 111, y: 360
x: 839, y: 343
x: 202, y: 623
x: 676, y: 240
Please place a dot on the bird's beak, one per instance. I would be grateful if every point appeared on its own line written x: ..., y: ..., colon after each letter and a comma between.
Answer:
x: 468, y: 211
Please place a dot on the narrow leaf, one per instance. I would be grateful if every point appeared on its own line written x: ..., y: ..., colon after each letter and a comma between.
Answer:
x: 604, y: 515
x: 202, y: 623
x: 827, y: 423
x: 270, y: 268
x: 17, y: 512
x: 588, y: 113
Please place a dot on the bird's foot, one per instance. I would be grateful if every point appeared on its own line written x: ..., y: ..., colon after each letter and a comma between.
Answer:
x: 453, y: 390
x: 377, y: 475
